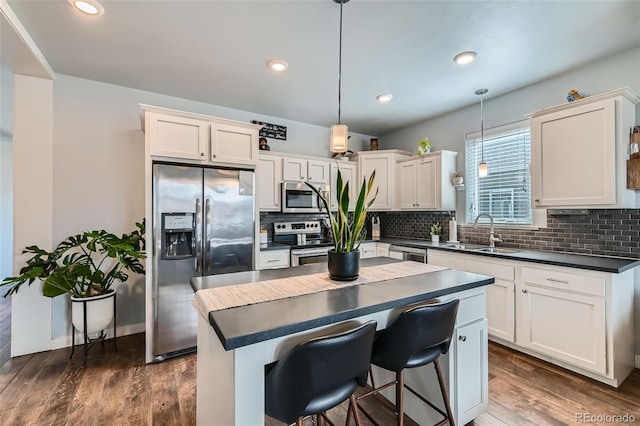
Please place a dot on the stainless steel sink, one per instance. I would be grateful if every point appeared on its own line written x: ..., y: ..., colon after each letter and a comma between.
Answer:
x: 497, y: 250
x: 462, y: 246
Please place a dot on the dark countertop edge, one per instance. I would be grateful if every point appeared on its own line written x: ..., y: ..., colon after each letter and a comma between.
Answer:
x: 605, y: 264
x: 249, y: 339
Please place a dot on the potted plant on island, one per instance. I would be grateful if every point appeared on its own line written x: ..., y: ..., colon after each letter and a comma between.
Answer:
x: 85, y: 266
x: 344, y: 260
x: 436, y: 231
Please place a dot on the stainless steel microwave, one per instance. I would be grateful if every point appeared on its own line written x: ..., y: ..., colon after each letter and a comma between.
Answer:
x: 299, y: 198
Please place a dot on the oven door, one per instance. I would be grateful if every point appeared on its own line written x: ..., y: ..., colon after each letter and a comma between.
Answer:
x: 299, y: 198
x: 306, y: 256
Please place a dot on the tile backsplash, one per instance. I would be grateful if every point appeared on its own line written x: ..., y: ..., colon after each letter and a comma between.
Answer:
x: 609, y: 232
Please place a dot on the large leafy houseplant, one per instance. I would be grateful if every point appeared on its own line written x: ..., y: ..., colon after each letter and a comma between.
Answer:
x: 347, y: 230
x: 83, y: 265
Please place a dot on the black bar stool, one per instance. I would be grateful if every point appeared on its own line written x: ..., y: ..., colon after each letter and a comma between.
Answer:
x: 415, y: 338
x: 319, y: 374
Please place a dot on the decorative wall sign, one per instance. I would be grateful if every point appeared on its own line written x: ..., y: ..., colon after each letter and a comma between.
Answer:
x: 272, y: 131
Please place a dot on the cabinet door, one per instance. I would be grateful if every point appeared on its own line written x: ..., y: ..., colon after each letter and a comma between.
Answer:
x: 501, y: 310
x: 269, y: 182
x: 408, y: 182
x: 471, y: 372
x: 294, y: 169
x: 573, y: 156
x: 348, y: 172
x: 230, y: 144
x: 382, y: 166
x: 436, y: 257
x: 178, y: 137
x: 566, y: 326
x: 318, y: 171
x: 428, y: 183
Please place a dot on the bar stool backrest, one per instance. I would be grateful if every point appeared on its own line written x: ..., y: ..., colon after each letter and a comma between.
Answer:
x: 415, y: 330
x: 317, y: 367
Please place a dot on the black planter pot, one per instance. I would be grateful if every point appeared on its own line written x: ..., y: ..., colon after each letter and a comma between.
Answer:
x: 344, y: 266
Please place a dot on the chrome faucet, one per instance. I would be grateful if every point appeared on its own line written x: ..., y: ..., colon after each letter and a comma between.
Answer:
x: 492, y: 239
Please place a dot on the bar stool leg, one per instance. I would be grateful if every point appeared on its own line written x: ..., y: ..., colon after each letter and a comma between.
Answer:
x: 399, y: 397
x: 353, y: 403
x: 445, y: 394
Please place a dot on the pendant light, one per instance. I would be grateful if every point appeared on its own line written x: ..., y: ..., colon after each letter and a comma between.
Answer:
x: 483, y: 169
x: 339, y: 138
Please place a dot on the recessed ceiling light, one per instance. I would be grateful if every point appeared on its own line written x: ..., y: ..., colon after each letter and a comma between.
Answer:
x: 384, y: 98
x: 90, y: 7
x: 465, y: 57
x: 278, y: 65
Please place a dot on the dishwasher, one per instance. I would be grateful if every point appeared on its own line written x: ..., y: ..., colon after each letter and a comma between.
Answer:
x: 408, y: 253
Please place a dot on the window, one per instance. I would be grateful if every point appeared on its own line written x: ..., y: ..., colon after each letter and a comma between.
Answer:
x: 505, y: 193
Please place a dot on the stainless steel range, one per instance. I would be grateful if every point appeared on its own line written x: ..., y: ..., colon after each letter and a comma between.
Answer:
x: 307, y: 239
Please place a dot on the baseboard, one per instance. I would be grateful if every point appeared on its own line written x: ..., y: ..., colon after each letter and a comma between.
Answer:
x: 125, y: 330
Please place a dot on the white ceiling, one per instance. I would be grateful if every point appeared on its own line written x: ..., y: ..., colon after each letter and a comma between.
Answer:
x: 216, y: 51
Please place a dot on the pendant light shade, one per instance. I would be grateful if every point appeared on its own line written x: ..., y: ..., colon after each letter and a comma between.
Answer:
x: 339, y: 132
x: 339, y: 138
x: 483, y: 168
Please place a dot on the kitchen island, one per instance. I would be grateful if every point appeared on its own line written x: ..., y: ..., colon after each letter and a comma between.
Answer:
x: 235, y: 344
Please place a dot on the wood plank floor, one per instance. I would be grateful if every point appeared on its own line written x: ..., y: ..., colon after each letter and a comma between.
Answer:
x: 120, y: 389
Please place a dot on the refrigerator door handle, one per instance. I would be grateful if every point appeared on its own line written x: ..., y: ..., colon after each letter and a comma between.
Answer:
x: 198, y: 239
x: 207, y: 242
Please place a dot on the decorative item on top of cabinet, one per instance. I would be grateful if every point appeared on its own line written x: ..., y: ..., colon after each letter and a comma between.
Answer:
x: 424, y: 183
x: 424, y: 146
x: 596, y: 129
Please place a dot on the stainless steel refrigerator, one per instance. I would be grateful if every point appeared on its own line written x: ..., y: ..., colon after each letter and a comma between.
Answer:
x: 203, y: 224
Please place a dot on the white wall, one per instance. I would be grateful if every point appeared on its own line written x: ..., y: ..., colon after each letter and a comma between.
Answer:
x: 6, y: 172
x: 33, y: 194
x: 98, y: 170
x: 447, y: 131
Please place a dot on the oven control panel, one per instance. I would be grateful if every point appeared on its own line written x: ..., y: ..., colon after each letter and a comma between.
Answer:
x: 306, y: 227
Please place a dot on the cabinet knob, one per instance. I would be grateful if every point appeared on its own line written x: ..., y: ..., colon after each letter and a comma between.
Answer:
x: 215, y: 155
x: 537, y: 200
x: 202, y: 154
x: 462, y: 338
x: 524, y: 290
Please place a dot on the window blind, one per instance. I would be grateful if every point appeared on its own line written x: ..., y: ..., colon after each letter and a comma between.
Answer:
x: 505, y: 193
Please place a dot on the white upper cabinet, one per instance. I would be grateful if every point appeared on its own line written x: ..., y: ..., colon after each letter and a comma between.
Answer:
x: 348, y: 172
x: 425, y: 183
x: 233, y: 144
x: 579, y: 152
x: 384, y: 164
x: 269, y: 182
x: 296, y: 169
x: 178, y: 135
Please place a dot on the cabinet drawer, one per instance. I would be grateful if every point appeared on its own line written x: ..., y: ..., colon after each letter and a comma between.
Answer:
x: 272, y: 259
x: 503, y: 272
x: 472, y: 307
x: 564, y: 281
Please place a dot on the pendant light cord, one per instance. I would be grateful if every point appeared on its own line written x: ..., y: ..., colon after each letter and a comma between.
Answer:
x: 482, y: 126
x: 340, y: 64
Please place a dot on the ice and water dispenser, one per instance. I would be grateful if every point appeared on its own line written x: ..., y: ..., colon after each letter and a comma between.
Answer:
x: 178, y: 234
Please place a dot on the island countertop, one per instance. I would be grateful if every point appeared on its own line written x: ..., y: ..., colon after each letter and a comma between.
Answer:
x: 244, y: 325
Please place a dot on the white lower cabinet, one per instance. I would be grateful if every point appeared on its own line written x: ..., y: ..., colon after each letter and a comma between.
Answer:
x: 274, y: 259
x: 579, y: 319
x: 382, y: 249
x: 568, y: 325
x: 367, y: 250
x: 470, y: 352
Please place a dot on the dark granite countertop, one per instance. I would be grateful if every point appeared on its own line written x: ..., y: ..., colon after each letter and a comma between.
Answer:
x: 245, y: 325
x: 610, y: 264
